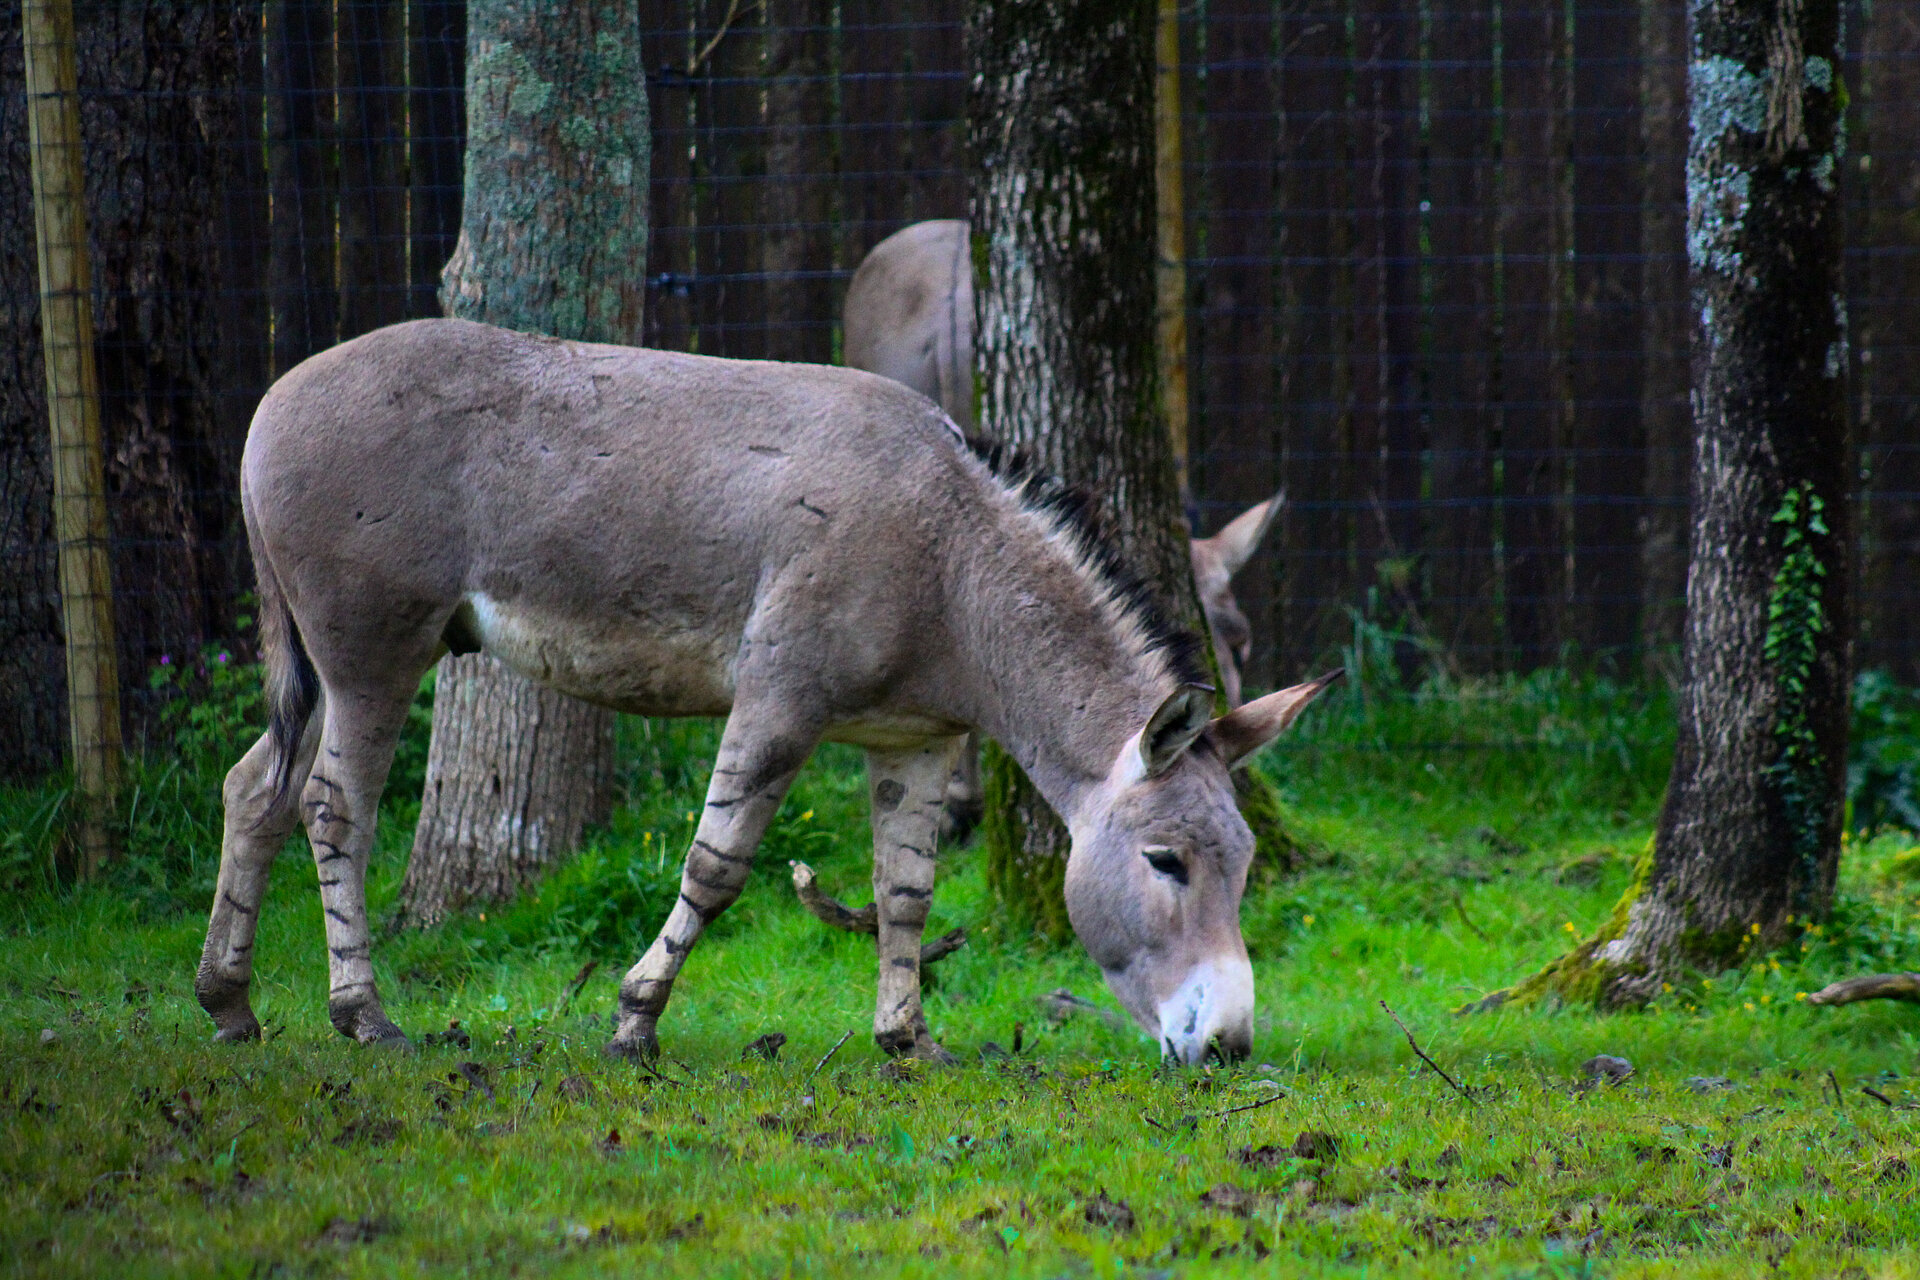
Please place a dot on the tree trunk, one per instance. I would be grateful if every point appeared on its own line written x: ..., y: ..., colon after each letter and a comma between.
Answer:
x: 1061, y: 126
x: 797, y: 247
x: 1748, y: 841
x: 553, y: 241
x: 372, y: 117
x: 162, y: 107
x: 302, y: 172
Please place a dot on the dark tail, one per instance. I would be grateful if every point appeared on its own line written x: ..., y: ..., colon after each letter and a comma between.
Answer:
x: 293, y: 686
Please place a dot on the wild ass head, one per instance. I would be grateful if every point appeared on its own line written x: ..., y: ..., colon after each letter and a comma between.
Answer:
x: 1159, y: 863
x: 1215, y: 561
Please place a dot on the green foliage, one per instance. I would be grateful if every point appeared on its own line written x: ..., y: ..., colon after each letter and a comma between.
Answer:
x: 1796, y: 619
x: 1883, y: 759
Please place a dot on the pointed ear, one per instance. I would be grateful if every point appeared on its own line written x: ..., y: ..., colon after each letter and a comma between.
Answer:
x: 1236, y: 543
x: 1245, y: 730
x: 1181, y: 719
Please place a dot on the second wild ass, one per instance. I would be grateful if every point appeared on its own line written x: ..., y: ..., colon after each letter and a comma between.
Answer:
x: 813, y: 553
x: 909, y: 316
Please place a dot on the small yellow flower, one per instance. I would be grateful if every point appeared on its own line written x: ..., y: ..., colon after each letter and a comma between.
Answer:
x: 1774, y: 965
x: 1707, y: 982
x: 1667, y: 987
x: 1306, y: 919
x: 1801, y: 996
x: 807, y: 816
x: 1755, y: 929
x: 1747, y: 1005
x: 1568, y: 926
x: 1766, y: 999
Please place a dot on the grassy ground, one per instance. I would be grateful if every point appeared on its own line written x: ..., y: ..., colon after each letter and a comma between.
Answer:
x: 1742, y: 1144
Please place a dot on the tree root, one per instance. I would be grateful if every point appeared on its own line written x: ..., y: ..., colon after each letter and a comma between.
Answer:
x: 1875, y: 986
x: 1584, y: 975
x: 832, y: 911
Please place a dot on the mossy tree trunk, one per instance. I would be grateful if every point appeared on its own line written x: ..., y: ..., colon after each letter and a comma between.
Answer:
x: 1748, y: 841
x: 553, y: 239
x: 1061, y: 127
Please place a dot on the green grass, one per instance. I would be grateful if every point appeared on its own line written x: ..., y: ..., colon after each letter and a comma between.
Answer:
x: 1458, y: 834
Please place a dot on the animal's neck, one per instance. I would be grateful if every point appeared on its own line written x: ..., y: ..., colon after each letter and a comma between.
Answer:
x: 1053, y: 680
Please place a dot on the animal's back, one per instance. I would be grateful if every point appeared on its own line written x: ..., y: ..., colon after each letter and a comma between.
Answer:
x: 909, y: 314
x: 607, y: 519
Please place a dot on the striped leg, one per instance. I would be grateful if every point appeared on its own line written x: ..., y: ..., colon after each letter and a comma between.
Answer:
x: 255, y: 829
x: 908, y: 795
x: 341, y: 803
x: 751, y: 775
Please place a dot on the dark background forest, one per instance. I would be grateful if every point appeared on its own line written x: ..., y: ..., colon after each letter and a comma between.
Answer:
x: 1437, y: 290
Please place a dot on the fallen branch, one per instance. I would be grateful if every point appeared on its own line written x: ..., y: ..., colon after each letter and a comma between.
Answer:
x: 1457, y: 1087
x: 832, y: 911
x: 1875, y: 986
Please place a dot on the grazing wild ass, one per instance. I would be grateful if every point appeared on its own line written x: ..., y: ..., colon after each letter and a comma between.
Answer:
x: 813, y: 553
x: 909, y: 317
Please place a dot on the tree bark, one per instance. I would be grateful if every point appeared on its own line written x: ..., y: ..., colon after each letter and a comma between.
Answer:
x: 372, y: 116
x: 553, y: 240
x: 164, y: 134
x: 797, y: 246
x: 303, y: 173
x: 1748, y: 840
x: 1061, y: 125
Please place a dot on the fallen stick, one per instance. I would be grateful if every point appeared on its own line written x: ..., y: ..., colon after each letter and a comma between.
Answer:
x: 829, y: 1054
x: 1458, y: 1088
x: 1874, y: 986
x: 832, y: 911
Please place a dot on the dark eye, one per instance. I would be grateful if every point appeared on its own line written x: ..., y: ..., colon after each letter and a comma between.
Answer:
x: 1166, y: 862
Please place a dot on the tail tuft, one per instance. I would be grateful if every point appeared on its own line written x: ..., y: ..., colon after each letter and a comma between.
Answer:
x: 293, y: 686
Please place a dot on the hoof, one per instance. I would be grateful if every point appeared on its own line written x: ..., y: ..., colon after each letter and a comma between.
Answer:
x: 238, y: 1032
x: 391, y: 1038
x: 365, y: 1022
x: 635, y: 1049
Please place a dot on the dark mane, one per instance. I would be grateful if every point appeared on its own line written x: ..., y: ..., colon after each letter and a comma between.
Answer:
x: 1073, y: 513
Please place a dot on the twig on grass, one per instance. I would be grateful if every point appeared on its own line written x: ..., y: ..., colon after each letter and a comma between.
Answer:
x: 1878, y: 1096
x: 1467, y: 920
x: 1438, y: 1070
x: 828, y: 1057
x: 1251, y: 1106
x: 1838, y: 1101
x: 573, y: 988
x: 527, y: 1106
x: 1155, y: 1123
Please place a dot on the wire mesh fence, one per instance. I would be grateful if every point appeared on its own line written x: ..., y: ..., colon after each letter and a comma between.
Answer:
x: 1436, y: 287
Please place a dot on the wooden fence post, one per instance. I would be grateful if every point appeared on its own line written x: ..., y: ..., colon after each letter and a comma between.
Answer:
x: 73, y: 408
